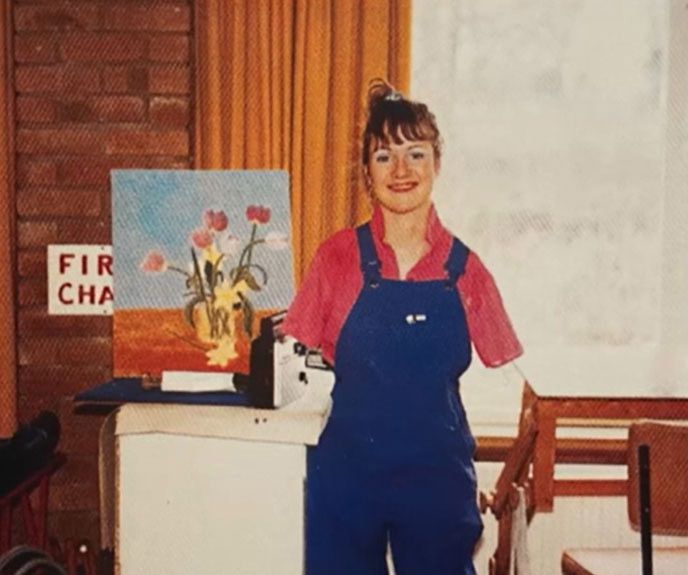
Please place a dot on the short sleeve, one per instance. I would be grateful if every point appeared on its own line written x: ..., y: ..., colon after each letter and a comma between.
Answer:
x: 489, y: 326
x: 307, y: 315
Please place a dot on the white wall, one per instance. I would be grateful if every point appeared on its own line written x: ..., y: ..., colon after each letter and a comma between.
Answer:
x: 566, y: 169
x: 553, y: 121
x: 675, y: 230
x: 565, y: 126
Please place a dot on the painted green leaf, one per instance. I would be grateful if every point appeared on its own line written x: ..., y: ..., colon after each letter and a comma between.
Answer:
x: 188, y: 310
x: 208, y: 272
x: 250, y: 280
x: 248, y: 316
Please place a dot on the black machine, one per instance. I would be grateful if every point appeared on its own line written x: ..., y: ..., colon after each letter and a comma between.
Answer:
x: 281, y: 369
x: 28, y: 449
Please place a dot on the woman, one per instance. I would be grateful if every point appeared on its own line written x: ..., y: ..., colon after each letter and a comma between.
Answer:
x: 395, y: 305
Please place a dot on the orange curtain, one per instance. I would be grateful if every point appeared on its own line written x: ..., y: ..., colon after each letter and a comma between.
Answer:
x: 281, y: 84
x: 8, y: 365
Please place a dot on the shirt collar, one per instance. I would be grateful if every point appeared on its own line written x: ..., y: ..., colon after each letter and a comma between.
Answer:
x: 435, y: 232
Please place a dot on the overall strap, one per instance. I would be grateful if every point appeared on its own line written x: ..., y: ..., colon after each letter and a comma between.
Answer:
x: 456, y: 262
x: 370, y: 266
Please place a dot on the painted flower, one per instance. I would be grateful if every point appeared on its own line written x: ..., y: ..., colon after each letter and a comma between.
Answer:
x: 219, y: 280
x: 154, y: 262
x: 201, y: 238
x: 228, y: 244
x: 211, y: 254
x: 226, y: 295
x: 215, y: 220
x: 258, y: 214
x: 223, y: 353
x: 276, y: 241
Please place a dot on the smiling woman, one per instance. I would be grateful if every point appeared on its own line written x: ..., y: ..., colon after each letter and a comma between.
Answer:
x: 396, y: 305
x: 401, y: 157
x: 401, y: 175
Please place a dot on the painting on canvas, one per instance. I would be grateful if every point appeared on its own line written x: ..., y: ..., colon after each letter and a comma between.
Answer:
x: 200, y: 257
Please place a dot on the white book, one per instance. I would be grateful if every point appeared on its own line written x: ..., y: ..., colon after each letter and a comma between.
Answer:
x: 196, y: 381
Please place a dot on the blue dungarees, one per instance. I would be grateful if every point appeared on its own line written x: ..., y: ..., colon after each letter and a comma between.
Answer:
x: 395, y: 460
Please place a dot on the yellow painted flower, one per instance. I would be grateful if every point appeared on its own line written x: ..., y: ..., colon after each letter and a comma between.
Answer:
x: 226, y: 296
x: 223, y: 353
x: 211, y: 254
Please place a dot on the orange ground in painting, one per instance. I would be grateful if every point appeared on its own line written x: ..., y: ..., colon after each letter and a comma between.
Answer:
x: 153, y: 340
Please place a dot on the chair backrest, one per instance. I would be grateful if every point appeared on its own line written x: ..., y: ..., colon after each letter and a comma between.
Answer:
x: 668, y: 444
x: 517, y: 462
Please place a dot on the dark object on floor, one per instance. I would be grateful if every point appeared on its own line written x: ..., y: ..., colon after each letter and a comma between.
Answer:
x: 28, y: 460
x: 31, y: 496
x: 25, y: 560
x: 30, y: 448
x: 106, y: 562
x: 80, y: 557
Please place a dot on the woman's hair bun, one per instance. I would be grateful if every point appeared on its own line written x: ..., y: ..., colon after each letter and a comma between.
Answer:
x: 379, y: 91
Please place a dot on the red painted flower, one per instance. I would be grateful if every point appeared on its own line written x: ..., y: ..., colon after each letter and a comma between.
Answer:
x: 154, y: 262
x: 201, y: 238
x: 258, y: 214
x: 215, y: 220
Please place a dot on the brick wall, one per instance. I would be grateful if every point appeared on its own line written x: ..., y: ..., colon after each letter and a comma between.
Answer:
x: 99, y: 84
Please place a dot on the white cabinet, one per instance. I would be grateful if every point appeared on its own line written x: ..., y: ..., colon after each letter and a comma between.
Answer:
x: 209, y: 490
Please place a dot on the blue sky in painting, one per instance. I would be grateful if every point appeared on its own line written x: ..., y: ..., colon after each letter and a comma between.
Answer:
x: 159, y: 209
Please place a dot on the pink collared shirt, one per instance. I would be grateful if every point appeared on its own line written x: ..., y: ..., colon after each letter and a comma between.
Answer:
x: 334, y: 280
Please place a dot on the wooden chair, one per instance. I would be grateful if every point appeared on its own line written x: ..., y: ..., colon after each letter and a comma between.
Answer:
x: 503, y: 499
x: 668, y: 506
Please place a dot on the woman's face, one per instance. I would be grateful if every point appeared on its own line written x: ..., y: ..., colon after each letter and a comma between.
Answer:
x: 402, y: 175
